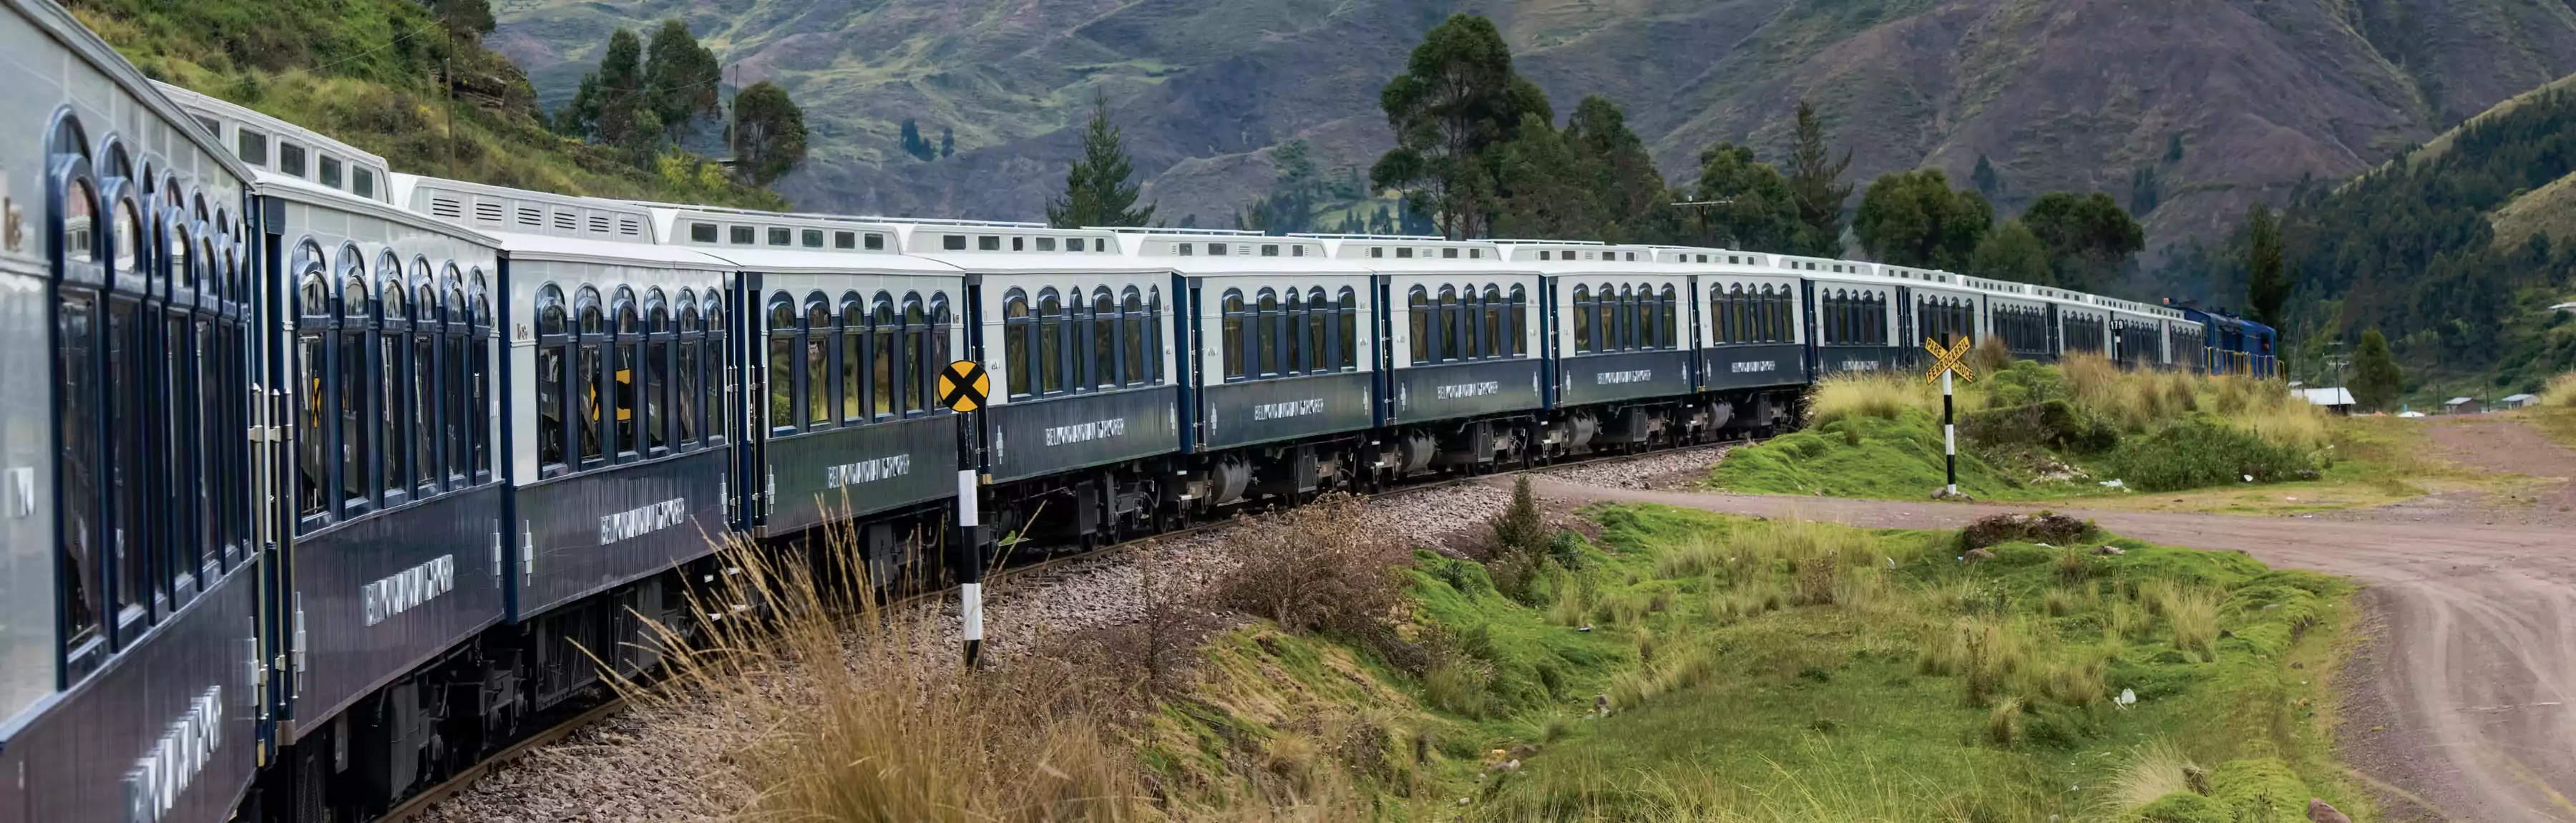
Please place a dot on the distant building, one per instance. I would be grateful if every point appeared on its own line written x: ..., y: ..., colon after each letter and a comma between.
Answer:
x: 2518, y: 401
x: 2462, y: 405
x: 2337, y: 400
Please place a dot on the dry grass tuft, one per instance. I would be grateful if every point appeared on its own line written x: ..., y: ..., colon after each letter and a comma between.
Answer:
x: 1872, y: 394
x: 2561, y: 391
x: 847, y: 710
x: 2151, y: 771
x: 2192, y: 613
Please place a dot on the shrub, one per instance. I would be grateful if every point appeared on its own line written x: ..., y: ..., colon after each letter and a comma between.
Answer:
x: 2200, y: 452
x: 2046, y: 527
x: 2053, y: 423
x: 1318, y: 567
x: 2561, y: 391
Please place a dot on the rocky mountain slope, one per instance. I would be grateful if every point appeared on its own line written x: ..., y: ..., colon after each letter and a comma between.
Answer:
x: 2186, y: 109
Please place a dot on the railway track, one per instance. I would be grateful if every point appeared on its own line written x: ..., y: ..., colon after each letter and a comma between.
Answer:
x: 419, y: 804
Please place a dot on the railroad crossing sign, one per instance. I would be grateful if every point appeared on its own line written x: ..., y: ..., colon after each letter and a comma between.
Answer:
x: 963, y: 385
x: 1951, y: 360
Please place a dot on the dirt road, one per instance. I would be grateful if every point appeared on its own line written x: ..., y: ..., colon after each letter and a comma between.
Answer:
x: 2463, y: 704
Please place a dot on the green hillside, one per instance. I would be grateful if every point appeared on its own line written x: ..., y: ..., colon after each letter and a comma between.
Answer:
x: 390, y: 77
x: 2452, y: 251
x: 2187, y: 111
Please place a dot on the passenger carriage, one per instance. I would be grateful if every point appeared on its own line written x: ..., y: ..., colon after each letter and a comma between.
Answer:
x: 849, y: 425
x: 614, y: 478
x: 1278, y: 349
x: 2079, y: 327
x: 1461, y: 380
x: 1619, y: 364
x: 2015, y: 313
x: 1933, y: 305
x: 131, y: 554
x: 396, y: 507
x: 1851, y: 315
x: 1075, y: 333
x: 1747, y: 328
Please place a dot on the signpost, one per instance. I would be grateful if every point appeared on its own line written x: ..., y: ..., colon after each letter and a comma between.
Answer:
x: 962, y: 388
x: 1948, y: 361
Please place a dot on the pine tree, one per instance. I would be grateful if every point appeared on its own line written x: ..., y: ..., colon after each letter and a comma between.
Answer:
x: 1813, y: 181
x: 947, y: 141
x: 2267, y: 286
x: 1985, y: 180
x: 910, y: 135
x: 2377, y: 383
x: 1096, y: 191
x: 768, y: 131
x: 467, y: 19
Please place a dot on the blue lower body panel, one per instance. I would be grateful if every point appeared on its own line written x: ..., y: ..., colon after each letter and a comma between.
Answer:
x: 165, y: 731
x: 588, y: 533
x: 1754, y: 365
x: 1261, y: 411
x: 389, y: 591
x: 1586, y: 379
x: 1419, y: 394
x: 853, y: 471
x: 1833, y: 360
x: 1040, y: 436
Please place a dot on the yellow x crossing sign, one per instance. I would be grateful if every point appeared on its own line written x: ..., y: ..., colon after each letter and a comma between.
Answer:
x: 1952, y: 359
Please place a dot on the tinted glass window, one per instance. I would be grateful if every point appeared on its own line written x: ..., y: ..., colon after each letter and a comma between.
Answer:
x: 290, y: 159
x: 331, y: 171
x: 362, y: 182
x: 777, y: 236
x: 742, y: 235
x: 252, y: 146
x: 845, y: 239
x: 702, y: 232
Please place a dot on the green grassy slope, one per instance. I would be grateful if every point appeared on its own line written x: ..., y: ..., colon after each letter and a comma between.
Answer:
x: 1767, y: 671
x: 385, y: 76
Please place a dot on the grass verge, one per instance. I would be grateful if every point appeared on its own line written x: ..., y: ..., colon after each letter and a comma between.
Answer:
x: 1675, y: 666
x: 2048, y: 433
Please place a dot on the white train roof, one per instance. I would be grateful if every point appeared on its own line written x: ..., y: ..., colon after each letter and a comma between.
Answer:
x: 264, y: 145
x: 1407, y: 254
x: 537, y: 225
x: 1222, y: 252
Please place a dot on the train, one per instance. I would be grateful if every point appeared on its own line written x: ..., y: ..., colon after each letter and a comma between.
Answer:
x: 324, y: 480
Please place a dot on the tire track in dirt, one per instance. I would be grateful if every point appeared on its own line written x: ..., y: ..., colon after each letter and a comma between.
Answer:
x: 2462, y: 704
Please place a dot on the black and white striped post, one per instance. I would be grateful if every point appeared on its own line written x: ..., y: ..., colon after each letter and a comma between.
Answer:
x: 1948, y: 361
x: 962, y: 387
x: 970, y: 571
x: 1949, y: 436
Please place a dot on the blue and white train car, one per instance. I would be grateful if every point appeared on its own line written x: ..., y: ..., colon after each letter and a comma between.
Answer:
x: 1462, y: 375
x: 2079, y: 326
x: 1280, y: 355
x: 1620, y: 351
x: 1937, y: 306
x: 2014, y: 312
x: 610, y: 491
x: 1076, y: 334
x: 1851, y: 313
x: 397, y: 509
x: 1752, y: 350
x: 131, y: 557
x: 853, y: 334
